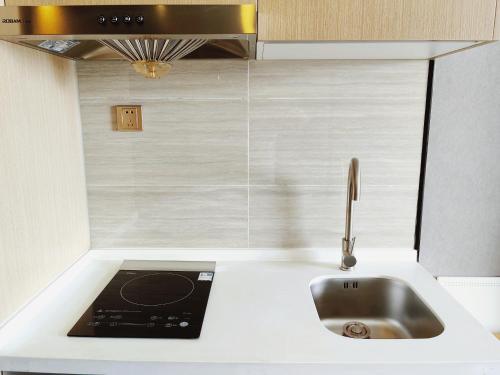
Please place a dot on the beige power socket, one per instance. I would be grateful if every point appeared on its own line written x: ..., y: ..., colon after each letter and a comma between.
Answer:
x: 128, y: 118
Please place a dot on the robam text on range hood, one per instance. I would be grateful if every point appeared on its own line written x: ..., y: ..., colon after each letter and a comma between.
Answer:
x: 149, y: 36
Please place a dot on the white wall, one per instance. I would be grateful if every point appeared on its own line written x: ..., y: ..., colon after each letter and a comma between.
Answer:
x: 461, y: 212
x: 43, y: 209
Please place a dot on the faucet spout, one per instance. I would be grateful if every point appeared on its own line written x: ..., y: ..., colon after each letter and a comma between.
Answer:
x: 353, y: 194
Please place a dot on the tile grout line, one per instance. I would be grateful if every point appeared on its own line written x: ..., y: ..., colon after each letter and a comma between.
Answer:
x: 248, y: 154
x: 368, y: 186
x: 101, y: 100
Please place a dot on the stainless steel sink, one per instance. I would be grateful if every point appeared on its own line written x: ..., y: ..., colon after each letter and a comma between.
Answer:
x: 375, y: 308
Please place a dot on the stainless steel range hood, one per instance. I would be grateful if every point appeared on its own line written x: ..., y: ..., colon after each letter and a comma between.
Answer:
x: 149, y: 36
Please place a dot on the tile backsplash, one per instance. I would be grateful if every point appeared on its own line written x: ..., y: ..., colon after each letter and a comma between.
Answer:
x: 253, y: 154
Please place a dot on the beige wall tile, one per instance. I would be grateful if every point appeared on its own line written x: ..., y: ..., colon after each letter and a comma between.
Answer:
x: 111, y: 81
x: 285, y: 130
x: 337, y: 79
x: 183, y: 143
x: 301, y: 216
x: 164, y: 187
x: 310, y: 142
x: 307, y: 120
x: 168, y: 217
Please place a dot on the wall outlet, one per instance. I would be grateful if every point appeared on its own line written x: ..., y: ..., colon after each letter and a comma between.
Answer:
x: 128, y: 118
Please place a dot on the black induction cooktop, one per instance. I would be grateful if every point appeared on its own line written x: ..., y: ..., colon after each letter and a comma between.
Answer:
x: 154, y: 303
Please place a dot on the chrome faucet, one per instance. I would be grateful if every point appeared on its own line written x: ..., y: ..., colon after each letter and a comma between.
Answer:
x: 353, y: 192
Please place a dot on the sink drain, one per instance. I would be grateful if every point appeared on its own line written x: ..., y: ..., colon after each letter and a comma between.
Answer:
x: 356, y: 330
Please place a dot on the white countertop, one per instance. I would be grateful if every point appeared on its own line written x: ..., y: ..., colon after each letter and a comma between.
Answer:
x: 260, y: 319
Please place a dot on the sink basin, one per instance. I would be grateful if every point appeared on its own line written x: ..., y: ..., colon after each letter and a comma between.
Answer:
x: 374, y: 308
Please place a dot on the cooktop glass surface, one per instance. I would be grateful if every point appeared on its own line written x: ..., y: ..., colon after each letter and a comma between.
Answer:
x: 148, y: 304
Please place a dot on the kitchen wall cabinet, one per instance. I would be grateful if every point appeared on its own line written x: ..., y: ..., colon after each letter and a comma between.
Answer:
x: 317, y: 20
x: 123, y: 2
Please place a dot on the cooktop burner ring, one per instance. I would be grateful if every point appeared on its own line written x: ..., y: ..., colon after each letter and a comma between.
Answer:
x: 124, y: 286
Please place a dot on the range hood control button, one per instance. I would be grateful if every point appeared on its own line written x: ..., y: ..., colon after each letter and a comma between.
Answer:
x: 139, y: 19
x: 101, y: 20
x: 114, y: 19
x: 127, y: 19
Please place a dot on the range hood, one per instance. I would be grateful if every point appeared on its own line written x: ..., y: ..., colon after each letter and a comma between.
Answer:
x: 151, y: 37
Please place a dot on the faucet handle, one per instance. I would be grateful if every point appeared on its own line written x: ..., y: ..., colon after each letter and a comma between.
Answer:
x: 351, y: 245
x: 348, y: 260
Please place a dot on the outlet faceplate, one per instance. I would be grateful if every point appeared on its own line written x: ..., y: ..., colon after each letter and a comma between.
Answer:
x: 128, y: 118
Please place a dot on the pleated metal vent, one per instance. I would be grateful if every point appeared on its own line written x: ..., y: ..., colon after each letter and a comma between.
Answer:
x: 159, y: 50
x: 152, y: 57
